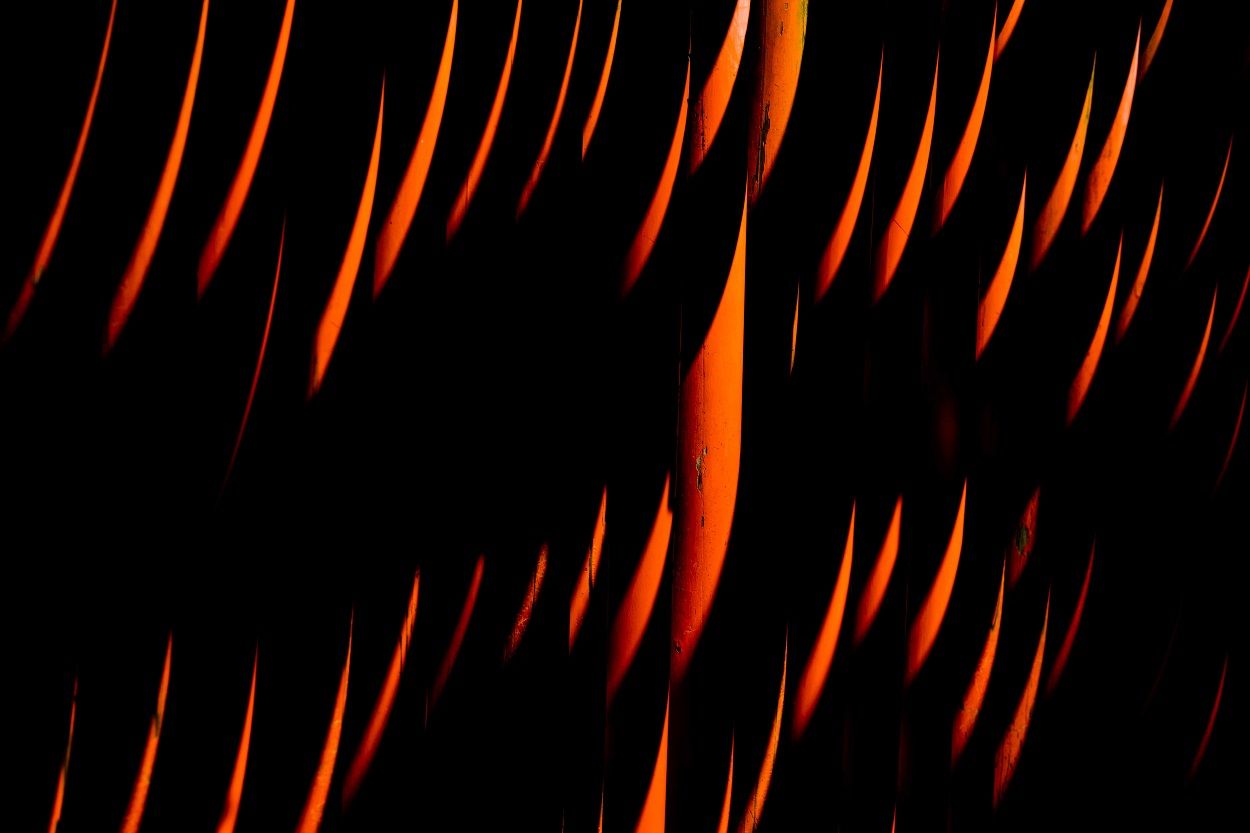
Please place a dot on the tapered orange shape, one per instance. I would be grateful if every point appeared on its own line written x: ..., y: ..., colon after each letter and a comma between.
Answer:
x: 1069, y: 638
x: 1192, y: 379
x: 708, y: 110
x: 759, y: 794
x: 541, y: 162
x: 957, y: 171
x: 1152, y: 45
x: 457, y: 635
x: 230, y: 812
x: 314, y: 807
x: 58, y: 798
x: 723, y: 825
x: 1009, y: 27
x: 651, y: 819
x: 601, y: 91
x: 1012, y: 744
x: 1085, y: 374
x: 928, y: 622
x: 522, y: 621
x: 879, y: 578
x: 143, y: 781
x: 991, y: 306
x: 1139, y: 283
x: 1104, y: 165
x: 589, y: 573
x: 1215, y: 201
x: 783, y: 27
x: 974, y: 697
x: 1056, y: 205
x: 1232, y: 443
x: 1232, y: 321
x: 1201, y: 752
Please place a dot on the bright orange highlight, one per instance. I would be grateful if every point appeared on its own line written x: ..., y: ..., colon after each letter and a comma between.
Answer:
x: 310, y: 819
x: 991, y: 306
x: 1192, y: 379
x: 644, y: 240
x: 592, y: 118
x: 1152, y: 46
x: 639, y: 601
x: 890, y: 251
x: 228, y: 218
x: 1051, y: 217
x: 1009, y: 26
x: 879, y: 578
x: 1085, y: 375
x: 386, y: 700
x: 332, y: 317
x: 461, y: 206
x: 835, y: 249
x: 784, y: 24
x: 755, y: 804
x: 1232, y: 444
x: 521, y: 624
x: 651, y: 819
x: 1013, y: 741
x: 590, y: 569
x: 974, y: 697
x: 924, y: 629
x: 541, y: 162
x: 404, y: 208
x: 1104, y: 166
x: 53, y: 231
x: 139, y: 797
x: 1021, y: 547
x: 1232, y: 322
x: 794, y: 330
x: 723, y: 825
x: 709, y: 450
x: 230, y: 813
x: 1069, y: 638
x: 709, y: 109
x: 957, y: 172
x: 1139, y: 283
x: 816, y: 672
x: 141, y: 258
x: 1215, y: 201
x: 457, y: 636
x: 58, y: 799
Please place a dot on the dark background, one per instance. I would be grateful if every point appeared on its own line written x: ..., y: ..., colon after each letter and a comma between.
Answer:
x: 483, y: 401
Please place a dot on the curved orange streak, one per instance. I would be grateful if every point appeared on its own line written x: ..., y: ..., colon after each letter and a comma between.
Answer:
x: 794, y: 331
x: 1019, y: 550
x: 1232, y: 444
x: 709, y: 448
x: 1232, y: 322
x: 651, y: 819
x: 1139, y: 283
x: 145, y: 248
x: 785, y: 33
x: 879, y: 578
x: 991, y: 306
x: 399, y: 218
x: 386, y: 700
x: 527, y: 606
x: 590, y: 569
x: 230, y: 813
x: 1009, y: 27
x: 332, y: 317
x: 53, y: 231
x: 1069, y: 638
x: 639, y: 601
x: 457, y: 636
x: 924, y: 630
x: 755, y: 804
x: 709, y: 109
x: 139, y: 796
x: 310, y: 819
x: 1051, y: 216
x: 461, y: 206
x: 58, y: 799
x: 1152, y: 46
x: 260, y: 362
x: 1206, y: 735
x: 835, y: 249
x: 649, y: 230
x: 723, y: 825
x: 1085, y: 375
x: 1215, y: 201
x: 228, y: 217
x: 1013, y: 741
x: 816, y: 672
x: 541, y: 162
x: 957, y: 171
x: 890, y: 252
x: 970, y: 709
x: 592, y: 118
x: 1104, y: 166
x: 1192, y: 379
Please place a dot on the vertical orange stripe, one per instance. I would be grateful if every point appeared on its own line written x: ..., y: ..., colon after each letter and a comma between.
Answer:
x: 521, y: 624
x: 970, y: 709
x: 1051, y: 216
x: 924, y: 629
x: 651, y: 819
x: 794, y: 330
x: 1104, y: 166
x: 1013, y: 741
x: 333, y: 315
x: 708, y: 109
x: 1152, y: 46
x: 957, y: 171
x: 310, y: 819
x: 879, y: 579
x: 228, y: 217
x: 592, y: 118
x: 1139, y: 283
x: 1206, y: 735
x: 991, y: 306
x: 1085, y: 374
x: 230, y: 813
x: 1215, y: 201
x: 784, y: 32
x: 58, y: 799
x: 590, y: 569
x: 723, y: 825
x: 1192, y: 379
x: 1069, y: 638
x: 1009, y: 26
x: 755, y: 804
x: 143, y: 781
x: 541, y: 162
x: 457, y: 636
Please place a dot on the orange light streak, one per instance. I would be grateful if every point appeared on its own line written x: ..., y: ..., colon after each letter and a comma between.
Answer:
x: 1069, y: 638
x: 879, y: 578
x: 1051, y: 216
x: 957, y: 171
x: 541, y: 162
x: 592, y: 118
x: 1192, y: 379
x: 1013, y: 741
x: 230, y: 813
x: 991, y: 306
x: 1085, y: 375
x: 709, y: 109
x: 974, y: 697
x: 590, y: 570
x: 457, y: 636
x: 143, y: 781
x: 310, y: 819
x: 1104, y: 166
x: 1139, y: 283
x: 924, y: 629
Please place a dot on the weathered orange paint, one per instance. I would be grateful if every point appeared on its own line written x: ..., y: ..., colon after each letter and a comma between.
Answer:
x: 541, y: 162
x: 359, y: 766
x: 228, y: 217
x: 1206, y: 734
x: 651, y: 819
x: 1152, y: 45
x: 143, y: 781
x: 1056, y: 206
x: 974, y: 697
x: 457, y: 635
x: 314, y: 807
x: 991, y: 306
x: 592, y: 117
x: 465, y: 196
x: 816, y: 671
x: 879, y: 578
x: 590, y: 570
x: 1085, y: 374
x: 894, y: 241
x: 1021, y: 546
x: 230, y: 813
x: 1139, y: 283
x: 335, y: 312
x: 755, y: 803
x: 1232, y: 321
x: 521, y: 624
x: 1013, y: 740
x: 957, y: 171
x: 639, y: 600
x: 58, y: 798
x: 1192, y: 379
x: 1232, y: 443
x: 1215, y: 201
x: 709, y: 454
x: 928, y: 622
x: 708, y: 110
x: 137, y: 269
x: 1009, y: 26
x: 1069, y: 638
x: 53, y: 230
x: 783, y: 27
x: 399, y: 219
x: 835, y: 249
x: 1100, y: 174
